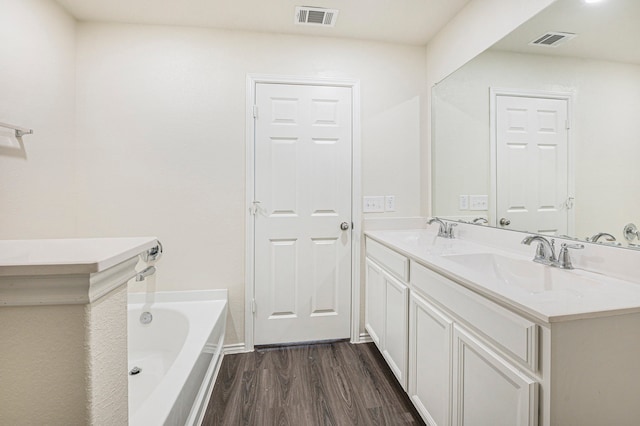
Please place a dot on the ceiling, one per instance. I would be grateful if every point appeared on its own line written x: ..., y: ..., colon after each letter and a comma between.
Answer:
x: 609, y: 30
x: 399, y: 21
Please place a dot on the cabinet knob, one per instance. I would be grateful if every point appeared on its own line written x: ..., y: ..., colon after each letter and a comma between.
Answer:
x: 505, y: 222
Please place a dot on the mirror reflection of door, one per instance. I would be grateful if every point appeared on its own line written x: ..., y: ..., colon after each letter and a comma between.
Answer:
x: 532, y: 158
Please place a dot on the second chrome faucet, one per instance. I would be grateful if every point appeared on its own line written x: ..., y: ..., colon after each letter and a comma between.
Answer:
x: 446, y: 229
x: 546, y: 254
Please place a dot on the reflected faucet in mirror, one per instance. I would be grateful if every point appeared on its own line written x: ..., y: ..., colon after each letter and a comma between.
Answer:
x: 630, y: 233
x: 596, y: 238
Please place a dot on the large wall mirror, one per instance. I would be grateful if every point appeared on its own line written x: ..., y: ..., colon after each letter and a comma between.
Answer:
x: 541, y: 132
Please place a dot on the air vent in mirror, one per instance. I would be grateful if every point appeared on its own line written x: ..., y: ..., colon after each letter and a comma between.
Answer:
x: 552, y: 39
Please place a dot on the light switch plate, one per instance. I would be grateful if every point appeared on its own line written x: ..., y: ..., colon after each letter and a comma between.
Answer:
x: 463, y: 202
x: 478, y: 202
x: 390, y: 203
x: 373, y: 204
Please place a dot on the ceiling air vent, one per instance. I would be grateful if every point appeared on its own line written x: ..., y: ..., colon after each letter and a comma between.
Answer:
x: 316, y: 16
x: 552, y: 39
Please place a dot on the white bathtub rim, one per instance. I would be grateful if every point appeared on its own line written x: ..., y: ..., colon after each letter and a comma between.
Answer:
x: 196, y: 417
x: 176, y: 377
x: 177, y: 296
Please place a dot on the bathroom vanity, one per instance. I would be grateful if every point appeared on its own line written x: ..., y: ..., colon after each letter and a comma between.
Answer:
x: 63, y: 316
x: 480, y: 334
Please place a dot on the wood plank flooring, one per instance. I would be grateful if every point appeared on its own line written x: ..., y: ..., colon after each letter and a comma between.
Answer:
x: 322, y: 384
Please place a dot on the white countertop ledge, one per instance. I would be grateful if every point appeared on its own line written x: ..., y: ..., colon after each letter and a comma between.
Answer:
x: 66, y: 271
x: 580, y: 295
x: 68, y: 256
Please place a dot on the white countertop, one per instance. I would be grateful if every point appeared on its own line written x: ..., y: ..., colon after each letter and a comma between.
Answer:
x: 565, y: 295
x: 68, y: 256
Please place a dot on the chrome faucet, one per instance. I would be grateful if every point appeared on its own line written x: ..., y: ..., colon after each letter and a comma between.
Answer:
x: 596, y: 237
x: 480, y: 220
x: 445, y: 230
x: 545, y: 252
x: 564, y: 260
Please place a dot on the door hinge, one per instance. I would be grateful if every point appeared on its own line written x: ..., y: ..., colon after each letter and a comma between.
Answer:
x: 255, y: 111
x: 253, y: 306
x: 567, y: 125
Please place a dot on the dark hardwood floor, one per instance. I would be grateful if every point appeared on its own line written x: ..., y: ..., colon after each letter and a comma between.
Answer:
x: 322, y: 384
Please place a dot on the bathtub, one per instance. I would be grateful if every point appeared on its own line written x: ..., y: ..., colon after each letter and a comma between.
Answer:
x: 178, y: 354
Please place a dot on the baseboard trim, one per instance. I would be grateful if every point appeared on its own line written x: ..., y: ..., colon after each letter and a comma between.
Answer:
x: 235, y: 348
x: 365, y: 338
x: 240, y: 348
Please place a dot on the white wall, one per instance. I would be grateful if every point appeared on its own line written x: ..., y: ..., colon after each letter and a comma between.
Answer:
x: 37, y: 90
x: 161, y: 137
x: 604, y: 132
x: 474, y: 29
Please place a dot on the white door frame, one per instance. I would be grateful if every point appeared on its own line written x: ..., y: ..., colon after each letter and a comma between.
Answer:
x: 356, y: 209
x: 493, y: 189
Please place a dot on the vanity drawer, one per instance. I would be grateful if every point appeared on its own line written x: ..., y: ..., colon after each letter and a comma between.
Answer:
x: 509, y: 331
x: 392, y: 261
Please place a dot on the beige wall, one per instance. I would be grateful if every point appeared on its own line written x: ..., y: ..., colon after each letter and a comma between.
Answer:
x: 161, y: 137
x: 37, y: 90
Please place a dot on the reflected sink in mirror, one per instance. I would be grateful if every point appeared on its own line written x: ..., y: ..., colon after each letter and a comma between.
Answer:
x: 522, y: 274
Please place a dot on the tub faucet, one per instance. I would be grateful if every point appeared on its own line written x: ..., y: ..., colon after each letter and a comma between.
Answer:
x: 445, y: 230
x: 480, y: 220
x: 150, y: 270
x: 545, y: 252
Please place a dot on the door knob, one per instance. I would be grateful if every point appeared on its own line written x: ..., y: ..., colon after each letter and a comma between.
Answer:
x: 505, y: 222
x: 344, y: 226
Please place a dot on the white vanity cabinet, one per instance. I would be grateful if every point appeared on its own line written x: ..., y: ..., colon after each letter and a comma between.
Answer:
x: 387, y: 306
x: 487, y: 389
x: 430, y: 340
x: 481, y: 351
x: 374, y: 305
x: 471, y: 362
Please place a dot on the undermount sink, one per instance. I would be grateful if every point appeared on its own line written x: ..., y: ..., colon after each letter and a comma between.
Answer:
x: 524, y: 274
x: 421, y: 238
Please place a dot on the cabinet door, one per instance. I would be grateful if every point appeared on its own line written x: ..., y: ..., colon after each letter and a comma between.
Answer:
x: 430, y: 336
x: 396, y: 318
x: 487, y: 390
x: 374, y: 303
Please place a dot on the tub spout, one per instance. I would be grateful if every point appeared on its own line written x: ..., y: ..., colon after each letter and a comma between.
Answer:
x: 145, y: 273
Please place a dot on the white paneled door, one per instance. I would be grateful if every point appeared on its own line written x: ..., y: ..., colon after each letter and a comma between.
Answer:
x: 303, y: 158
x: 532, y: 164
